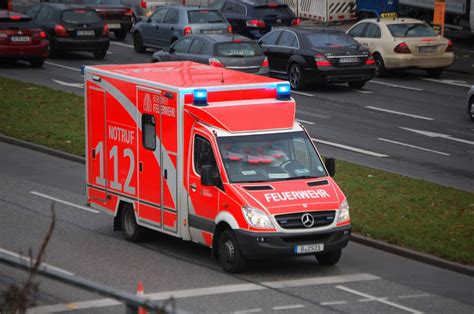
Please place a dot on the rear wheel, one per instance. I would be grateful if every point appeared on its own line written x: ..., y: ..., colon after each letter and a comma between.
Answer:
x: 434, y: 72
x: 295, y: 76
x: 36, y: 63
x: 356, y: 84
x: 379, y: 66
x: 471, y: 108
x: 120, y: 35
x: 100, y: 54
x: 329, y: 258
x: 138, y: 43
x: 130, y: 229
x: 230, y: 257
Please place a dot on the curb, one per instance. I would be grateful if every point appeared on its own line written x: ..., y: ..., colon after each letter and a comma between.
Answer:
x: 381, y: 245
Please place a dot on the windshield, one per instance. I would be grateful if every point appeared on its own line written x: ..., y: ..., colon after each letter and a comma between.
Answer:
x: 270, y: 157
x: 331, y: 40
x: 411, y: 30
x: 238, y: 49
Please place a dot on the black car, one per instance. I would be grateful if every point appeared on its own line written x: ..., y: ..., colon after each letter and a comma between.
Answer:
x: 71, y: 28
x: 255, y: 18
x: 227, y: 51
x: 318, y: 56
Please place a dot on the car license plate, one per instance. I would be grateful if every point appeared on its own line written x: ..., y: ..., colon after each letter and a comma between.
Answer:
x: 114, y: 26
x: 85, y: 33
x: 212, y: 31
x: 309, y: 248
x: 428, y: 49
x: 20, y: 39
x: 349, y: 60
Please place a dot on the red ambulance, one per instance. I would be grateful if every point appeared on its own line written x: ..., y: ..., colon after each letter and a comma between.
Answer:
x: 212, y: 156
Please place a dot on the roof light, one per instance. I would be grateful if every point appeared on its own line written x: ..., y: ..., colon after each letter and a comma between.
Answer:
x: 200, y: 97
x: 283, y: 91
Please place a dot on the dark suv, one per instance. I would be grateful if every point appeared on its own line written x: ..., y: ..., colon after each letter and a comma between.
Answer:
x: 255, y: 18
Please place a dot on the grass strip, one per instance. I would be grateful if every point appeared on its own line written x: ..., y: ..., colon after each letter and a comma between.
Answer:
x: 404, y: 211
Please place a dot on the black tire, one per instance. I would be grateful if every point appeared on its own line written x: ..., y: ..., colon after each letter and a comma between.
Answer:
x: 434, y: 72
x: 295, y: 76
x: 329, y: 258
x: 130, y: 229
x: 138, y: 43
x: 230, y: 257
x: 357, y: 85
x: 470, y: 108
x: 36, y: 63
x: 379, y: 66
x: 100, y: 54
x: 120, y: 35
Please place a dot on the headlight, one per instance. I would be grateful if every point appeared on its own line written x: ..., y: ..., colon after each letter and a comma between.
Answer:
x: 343, y: 214
x: 257, y: 218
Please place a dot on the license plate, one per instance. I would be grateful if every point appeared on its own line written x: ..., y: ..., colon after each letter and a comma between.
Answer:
x: 428, y: 49
x: 212, y: 31
x: 309, y: 248
x: 85, y: 33
x: 114, y: 26
x: 348, y: 60
x: 20, y: 39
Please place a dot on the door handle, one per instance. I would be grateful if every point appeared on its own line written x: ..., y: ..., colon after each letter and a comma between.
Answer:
x: 194, y: 187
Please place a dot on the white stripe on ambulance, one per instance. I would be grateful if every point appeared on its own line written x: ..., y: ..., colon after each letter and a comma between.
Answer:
x: 295, y: 195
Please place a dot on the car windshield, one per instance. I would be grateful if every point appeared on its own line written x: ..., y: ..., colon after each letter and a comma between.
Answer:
x: 205, y: 16
x: 330, y: 40
x: 411, y: 30
x: 270, y: 157
x: 281, y: 11
x: 238, y: 49
x: 80, y: 17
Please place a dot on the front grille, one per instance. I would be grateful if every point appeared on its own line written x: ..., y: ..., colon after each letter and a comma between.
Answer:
x: 293, y: 221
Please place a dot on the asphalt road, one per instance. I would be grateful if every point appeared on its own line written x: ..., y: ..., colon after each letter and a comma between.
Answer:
x: 406, y: 123
x: 365, y: 281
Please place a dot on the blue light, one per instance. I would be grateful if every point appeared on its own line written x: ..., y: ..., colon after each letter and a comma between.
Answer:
x: 283, y: 91
x: 200, y: 97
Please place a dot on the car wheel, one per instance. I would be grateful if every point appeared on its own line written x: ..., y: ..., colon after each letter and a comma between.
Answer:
x: 434, y: 72
x: 379, y: 66
x: 36, y: 63
x: 230, y: 257
x: 100, y: 54
x: 130, y: 229
x: 295, y: 76
x: 356, y: 84
x: 471, y: 108
x: 329, y: 258
x: 138, y: 43
x: 120, y: 35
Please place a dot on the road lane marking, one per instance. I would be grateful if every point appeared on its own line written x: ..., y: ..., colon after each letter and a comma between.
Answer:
x: 305, y: 122
x: 333, y: 303
x: 28, y: 260
x: 65, y: 202
x: 62, y: 66
x: 381, y: 300
x: 396, y: 86
x: 76, y: 85
x: 421, y: 295
x: 360, y: 91
x: 288, y: 307
x: 217, y: 290
x: 122, y: 44
x: 248, y: 311
x: 400, y: 113
x: 433, y: 134
x: 413, y: 146
x: 311, y: 114
x: 447, y: 82
x: 371, y: 300
x: 354, y: 149
x: 301, y: 93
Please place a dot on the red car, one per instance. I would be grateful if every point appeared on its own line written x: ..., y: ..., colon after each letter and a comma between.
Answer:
x: 22, y: 39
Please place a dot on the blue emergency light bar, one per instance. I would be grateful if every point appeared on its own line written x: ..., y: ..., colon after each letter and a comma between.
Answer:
x: 283, y: 91
x: 200, y: 97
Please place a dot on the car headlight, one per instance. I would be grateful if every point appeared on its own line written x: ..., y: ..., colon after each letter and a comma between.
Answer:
x: 343, y: 214
x: 257, y: 218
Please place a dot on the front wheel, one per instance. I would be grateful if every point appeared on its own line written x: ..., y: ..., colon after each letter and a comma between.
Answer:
x: 130, y: 229
x: 379, y: 66
x: 138, y: 43
x: 230, y: 257
x: 470, y: 108
x: 357, y: 85
x: 434, y: 72
x: 329, y: 258
x: 295, y: 76
x: 100, y: 54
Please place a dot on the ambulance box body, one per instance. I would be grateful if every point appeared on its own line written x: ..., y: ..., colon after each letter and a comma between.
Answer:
x: 212, y: 156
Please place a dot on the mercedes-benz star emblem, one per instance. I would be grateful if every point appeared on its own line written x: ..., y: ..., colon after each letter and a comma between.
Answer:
x: 307, y: 220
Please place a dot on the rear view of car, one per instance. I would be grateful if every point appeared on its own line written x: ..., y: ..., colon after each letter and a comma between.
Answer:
x: 206, y: 22
x: 22, y: 39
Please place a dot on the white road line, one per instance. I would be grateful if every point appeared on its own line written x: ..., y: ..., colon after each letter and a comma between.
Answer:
x: 396, y: 86
x: 333, y: 303
x: 248, y: 311
x: 381, y: 300
x: 65, y: 202
x: 354, y: 149
x: 122, y: 44
x: 410, y: 296
x: 27, y: 259
x: 62, y: 66
x: 399, y: 113
x: 360, y: 91
x: 217, y: 290
x: 301, y: 93
x: 288, y: 307
x: 305, y: 122
x: 371, y: 300
x: 109, y: 53
x: 447, y: 82
x: 76, y: 85
x: 413, y: 146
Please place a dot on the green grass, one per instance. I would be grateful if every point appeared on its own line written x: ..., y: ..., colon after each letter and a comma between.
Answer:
x: 408, y: 212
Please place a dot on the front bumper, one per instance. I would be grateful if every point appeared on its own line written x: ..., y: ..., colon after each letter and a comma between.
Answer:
x: 81, y: 44
x: 283, y: 244
x: 410, y: 61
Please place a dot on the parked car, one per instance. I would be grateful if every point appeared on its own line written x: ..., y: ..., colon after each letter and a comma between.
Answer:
x: 255, y: 18
x: 317, y: 56
x: 470, y: 102
x: 72, y: 27
x: 22, y: 39
x: 169, y: 23
x: 404, y: 43
x: 142, y: 9
x: 226, y: 51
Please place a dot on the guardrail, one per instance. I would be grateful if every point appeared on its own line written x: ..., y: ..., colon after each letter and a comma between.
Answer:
x: 324, y: 10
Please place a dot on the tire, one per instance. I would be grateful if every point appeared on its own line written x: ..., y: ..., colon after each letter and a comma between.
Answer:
x: 36, y: 63
x: 120, y: 35
x: 379, y: 66
x: 434, y: 72
x: 470, y: 108
x: 230, y: 257
x: 138, y: 43
x: 329, y: 258
x: 356, y: 85
x: 100, y: 54
x: 295, y: 76
x: 130, y: 229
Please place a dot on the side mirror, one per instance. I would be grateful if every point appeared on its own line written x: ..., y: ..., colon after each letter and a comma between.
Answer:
x: 330, y: 164
x: 207, y: 177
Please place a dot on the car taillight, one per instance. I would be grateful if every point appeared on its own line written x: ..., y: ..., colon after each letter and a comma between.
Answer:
x: 229, y: 29
x: 321, y: 60
x: 216, y: 63
x: 105, y: 31
x: 143, y: 4
x: 370, y: 60
x: 187, y: 30
x: 256, y: 23
x: 265, y: 63
x: 42, y: 35
x: 60, y: 31
x: 402, y: 48
x: 450, y: 46
x: 129, y: 12
x: 15, y: 17
x: 296, y: 22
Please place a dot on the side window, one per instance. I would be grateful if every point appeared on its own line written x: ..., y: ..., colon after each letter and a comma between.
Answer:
x: 172, y: 16
x: 270, y: 39
x: 372, y: 31
x: 44, y: 14
x: 358, y: 30
x: 241, y: 9
x: 149, y: 131
x: 182, y: 45
x: 203, y: 154
x: 229, y: 7
x: 159, y: 15
x: 287, y: 39
x: 196, y: 46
